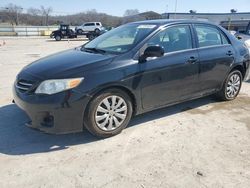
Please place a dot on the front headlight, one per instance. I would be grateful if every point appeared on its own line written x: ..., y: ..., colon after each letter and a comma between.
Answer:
x: 55, y: 86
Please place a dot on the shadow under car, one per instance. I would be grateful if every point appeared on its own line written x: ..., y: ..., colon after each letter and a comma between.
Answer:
x: 17, y: 139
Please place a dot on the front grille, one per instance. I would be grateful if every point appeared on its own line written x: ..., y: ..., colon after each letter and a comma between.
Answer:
x: 24, y: 85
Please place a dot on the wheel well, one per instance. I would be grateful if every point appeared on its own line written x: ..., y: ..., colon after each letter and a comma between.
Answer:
x: 124, y: 89
x: 241, y: 69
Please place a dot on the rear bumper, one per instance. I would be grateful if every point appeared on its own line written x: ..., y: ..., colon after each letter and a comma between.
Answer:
x: 56, y: 114
x: 247, y: 76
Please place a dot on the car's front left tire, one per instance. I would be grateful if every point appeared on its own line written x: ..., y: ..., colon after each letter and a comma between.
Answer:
x: 108, y: 113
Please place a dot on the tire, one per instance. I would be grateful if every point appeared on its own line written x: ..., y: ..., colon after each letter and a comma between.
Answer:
x: 58, y: 37
x: 97, y: 31
x: 97, y: 117
x: 231, y: 87
x: 80, y: 31
x: 91, y: 37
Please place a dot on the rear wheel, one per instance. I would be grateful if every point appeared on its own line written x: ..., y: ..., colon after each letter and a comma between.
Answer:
x: 91, y: 37
x: 97, y: 31
x: 231, y: 87
x: 108, y: 113
x: 80, y: 31
x: 58, y: 38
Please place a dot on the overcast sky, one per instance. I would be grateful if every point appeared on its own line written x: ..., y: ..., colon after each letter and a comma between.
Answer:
x: 118, y: 7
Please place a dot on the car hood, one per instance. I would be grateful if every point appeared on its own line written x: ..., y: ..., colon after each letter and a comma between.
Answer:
x: 70, y: 63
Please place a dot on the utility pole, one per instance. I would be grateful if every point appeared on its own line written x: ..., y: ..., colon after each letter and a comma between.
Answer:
x: 166, y: 15
x: 175, y: 9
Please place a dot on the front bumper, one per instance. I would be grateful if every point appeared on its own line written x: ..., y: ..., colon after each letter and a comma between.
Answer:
x: 54, y: 114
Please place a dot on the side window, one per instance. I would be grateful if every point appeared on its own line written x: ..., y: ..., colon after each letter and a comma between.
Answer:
x: 98, y: 24
x: 210, y: 36
x: 173, y: 39
x: 89, y: 24
x: 224, y: 39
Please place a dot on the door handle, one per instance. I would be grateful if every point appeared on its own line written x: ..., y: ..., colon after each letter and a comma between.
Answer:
x: 229, y: 53
x: 192, y: 60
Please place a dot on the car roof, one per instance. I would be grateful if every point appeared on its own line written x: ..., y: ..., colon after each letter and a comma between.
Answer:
x: 172, y: 21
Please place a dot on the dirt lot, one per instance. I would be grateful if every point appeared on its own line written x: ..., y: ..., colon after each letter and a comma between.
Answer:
x: 204, y: 143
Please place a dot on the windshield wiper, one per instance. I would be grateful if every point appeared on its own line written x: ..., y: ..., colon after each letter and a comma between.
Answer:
x: 96, y: 50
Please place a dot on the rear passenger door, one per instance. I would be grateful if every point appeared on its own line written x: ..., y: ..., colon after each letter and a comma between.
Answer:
x: 216, y: 54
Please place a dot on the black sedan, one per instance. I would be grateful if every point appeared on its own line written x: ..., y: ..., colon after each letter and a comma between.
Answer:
x: 135, y: 68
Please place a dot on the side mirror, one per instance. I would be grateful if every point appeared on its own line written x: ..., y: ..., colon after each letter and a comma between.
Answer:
x: 239, y: 37
x: 152, y: 51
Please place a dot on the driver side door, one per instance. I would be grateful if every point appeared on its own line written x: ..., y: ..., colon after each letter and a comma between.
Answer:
x: 173, y: 77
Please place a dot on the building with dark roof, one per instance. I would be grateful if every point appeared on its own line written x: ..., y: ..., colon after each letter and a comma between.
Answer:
x: 232, y: 21
x: 216, y: 18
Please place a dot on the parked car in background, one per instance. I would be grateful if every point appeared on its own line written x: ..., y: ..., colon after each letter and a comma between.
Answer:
x: 89, y: 27
x: 130, y: 70
x: 239, y: 26
x: 91, y: 35
x: 240, y: 29
x: 64, y: 31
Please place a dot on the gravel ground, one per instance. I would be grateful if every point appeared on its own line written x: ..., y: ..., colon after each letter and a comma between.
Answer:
x: 203, y: 143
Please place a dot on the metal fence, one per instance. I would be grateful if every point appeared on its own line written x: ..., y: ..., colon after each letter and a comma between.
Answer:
x: 26, y: 30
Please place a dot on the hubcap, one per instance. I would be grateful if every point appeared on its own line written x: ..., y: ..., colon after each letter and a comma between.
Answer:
x: 233, y: 86
x: 111, y: 113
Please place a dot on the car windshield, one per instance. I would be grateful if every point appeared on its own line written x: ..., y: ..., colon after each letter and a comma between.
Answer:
x: 121, y: 39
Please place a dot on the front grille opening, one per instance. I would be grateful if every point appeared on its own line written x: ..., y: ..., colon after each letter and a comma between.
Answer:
x: 24, y: 85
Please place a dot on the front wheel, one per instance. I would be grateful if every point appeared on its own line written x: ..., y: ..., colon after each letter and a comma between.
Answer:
x: 231, y: 87
x: 108, y: 113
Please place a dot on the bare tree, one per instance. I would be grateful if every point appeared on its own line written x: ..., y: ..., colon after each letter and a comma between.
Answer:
x: 42, y: 16
x: 46, y: 13
x: 34, y: 16
x: 13, y: 12
x: 131, y: 12
x: 34, y: 11
x: 92, y: 15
